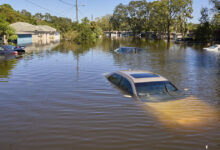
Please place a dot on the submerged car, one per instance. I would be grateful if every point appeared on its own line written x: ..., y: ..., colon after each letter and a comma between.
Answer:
x: 163, y: 100
x: 123, y: 50
x: 215, y: 48
x: 6, y: 51
x: 144, y: 85
x: 19, y: 49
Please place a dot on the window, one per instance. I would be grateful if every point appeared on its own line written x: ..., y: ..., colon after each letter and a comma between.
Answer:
x: 144, y: 75
x: 152, y: 88
x: 155, y: 88
x: 170, y: 87
x: 125, y: 85
x: 115, y: 79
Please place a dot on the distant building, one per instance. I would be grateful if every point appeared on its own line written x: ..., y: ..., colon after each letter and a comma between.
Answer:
x: 28, y: 33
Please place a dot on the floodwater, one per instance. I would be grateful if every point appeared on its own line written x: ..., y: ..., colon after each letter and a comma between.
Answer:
x: 55, y: 97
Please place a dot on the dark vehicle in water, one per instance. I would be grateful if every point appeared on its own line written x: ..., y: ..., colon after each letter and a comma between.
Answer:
x: 7, y: 51
x: 19, y: 49
x: 184, y: 40
x: 124, y: 50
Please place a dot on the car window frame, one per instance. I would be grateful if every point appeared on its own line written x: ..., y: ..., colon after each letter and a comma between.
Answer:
x: 173, y: 86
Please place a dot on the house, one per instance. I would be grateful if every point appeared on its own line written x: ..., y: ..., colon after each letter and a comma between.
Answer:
x: 28, y: 33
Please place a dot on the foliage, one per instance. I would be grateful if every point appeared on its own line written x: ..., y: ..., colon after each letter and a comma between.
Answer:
x: 104, y: 23
x: 157, y: 16
x: 203, y: 32
x: 216, y: 27
x: 12, y: 37
x: 70, y: 35
x: 216, y: 7
x: 5, y: 29
x: 120, y: 18
x: 209, y: 29
x: 60, y: 23
x: 88, y: 31
x: 176, y: 10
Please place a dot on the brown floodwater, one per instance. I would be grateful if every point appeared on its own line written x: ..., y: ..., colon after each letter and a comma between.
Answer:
x: 56, y: 97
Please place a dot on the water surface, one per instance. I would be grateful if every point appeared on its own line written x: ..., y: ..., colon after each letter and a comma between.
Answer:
x: 56, y: 97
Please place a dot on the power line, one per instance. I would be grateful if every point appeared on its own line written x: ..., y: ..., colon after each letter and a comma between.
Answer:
x: 31, y: 2
x: 81, y: 13
x: 76, y: 6
x: 64, y: 2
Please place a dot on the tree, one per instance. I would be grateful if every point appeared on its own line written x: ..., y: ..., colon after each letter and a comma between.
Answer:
x: 88, y: 31
x: 157, y: 18
x: 120, y: 18
x: 5, y: 29
x: 104, y: 23
x: 203, y: 32
x: 216, y: 4
x: 173, y: 9
x: 138, y: 12
x: 26, y: 13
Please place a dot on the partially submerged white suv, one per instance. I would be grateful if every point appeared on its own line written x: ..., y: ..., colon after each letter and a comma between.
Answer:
x: 144, y: 85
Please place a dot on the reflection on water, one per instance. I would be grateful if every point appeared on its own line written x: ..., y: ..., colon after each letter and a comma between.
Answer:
x: 7, y: 63
x: 57, y: 97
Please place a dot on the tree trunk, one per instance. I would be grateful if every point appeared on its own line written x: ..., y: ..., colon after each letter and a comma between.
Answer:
x: 5, y: 40
x: 168, y: 32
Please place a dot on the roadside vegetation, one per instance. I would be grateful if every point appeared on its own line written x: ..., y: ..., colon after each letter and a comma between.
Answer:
x: 161, y: 18
x: 86, y: 31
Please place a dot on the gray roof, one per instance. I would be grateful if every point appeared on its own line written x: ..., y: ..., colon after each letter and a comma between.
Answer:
x: 23, y: 27
x: 128, y: 74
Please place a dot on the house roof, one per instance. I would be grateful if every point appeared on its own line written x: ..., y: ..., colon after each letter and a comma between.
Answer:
x: 23, y: 27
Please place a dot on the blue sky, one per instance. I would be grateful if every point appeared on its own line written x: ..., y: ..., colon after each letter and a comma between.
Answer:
x: 95, y: 8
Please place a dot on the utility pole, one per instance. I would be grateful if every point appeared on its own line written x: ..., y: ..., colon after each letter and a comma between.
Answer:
x: 77, y: 19
x: 77, y: 10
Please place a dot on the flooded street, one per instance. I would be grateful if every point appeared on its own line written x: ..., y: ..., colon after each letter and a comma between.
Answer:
x: 57, y: 97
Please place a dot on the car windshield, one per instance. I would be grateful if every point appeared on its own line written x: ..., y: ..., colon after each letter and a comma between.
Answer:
x: 155, y: 88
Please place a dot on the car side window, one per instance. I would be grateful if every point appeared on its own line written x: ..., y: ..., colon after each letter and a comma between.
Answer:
x: 115, y: 79
x: 170, y: 87
x: 126, y: 85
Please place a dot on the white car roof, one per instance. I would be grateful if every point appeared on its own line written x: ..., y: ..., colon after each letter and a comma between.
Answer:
x: 140, y: 76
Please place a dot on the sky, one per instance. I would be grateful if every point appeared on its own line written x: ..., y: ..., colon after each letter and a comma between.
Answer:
x: 87, y: 8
